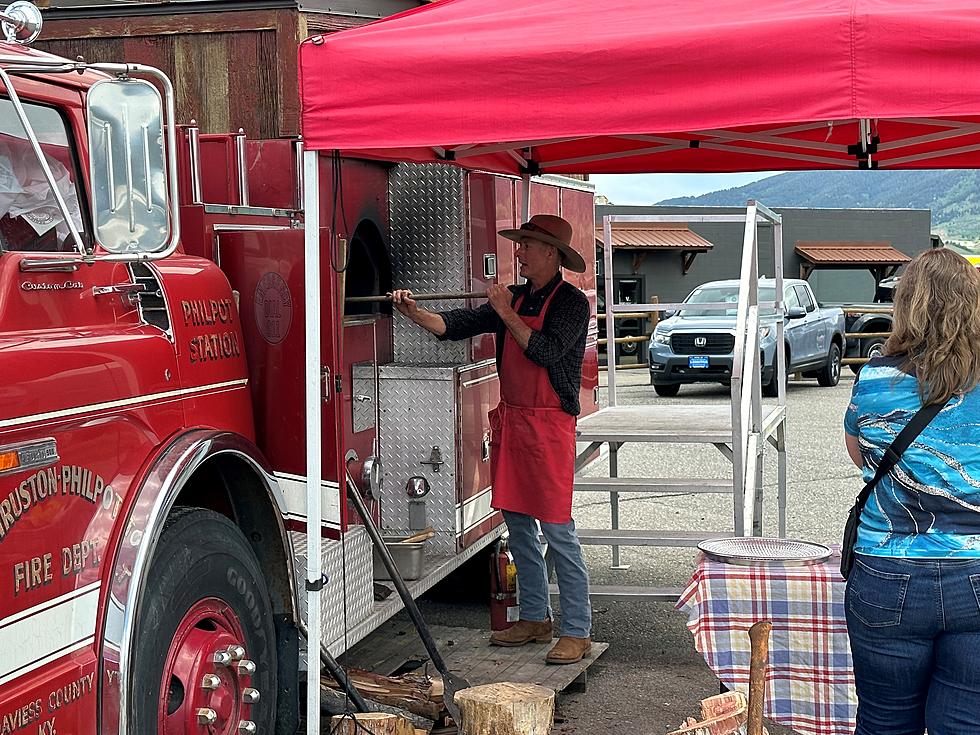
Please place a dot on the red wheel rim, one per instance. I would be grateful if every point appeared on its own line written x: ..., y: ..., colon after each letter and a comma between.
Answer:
x: 205, y: 686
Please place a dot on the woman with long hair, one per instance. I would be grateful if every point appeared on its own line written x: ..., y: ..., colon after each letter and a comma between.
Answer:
x: 913, y: 596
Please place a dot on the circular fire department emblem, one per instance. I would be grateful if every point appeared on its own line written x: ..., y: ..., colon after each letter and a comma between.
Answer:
x: 273, y: 308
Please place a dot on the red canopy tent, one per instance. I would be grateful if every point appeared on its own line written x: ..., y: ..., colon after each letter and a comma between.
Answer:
x: 528, y: 86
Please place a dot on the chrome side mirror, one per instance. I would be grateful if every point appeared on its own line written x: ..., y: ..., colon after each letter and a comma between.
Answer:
x: 130, y: 202
x: 21, y: 23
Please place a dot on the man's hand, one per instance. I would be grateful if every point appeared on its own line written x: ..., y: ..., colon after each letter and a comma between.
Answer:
x: 500, y: 298
x: 403, y: 301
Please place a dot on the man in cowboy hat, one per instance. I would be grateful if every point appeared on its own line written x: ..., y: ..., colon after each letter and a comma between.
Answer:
x: 540, y: 328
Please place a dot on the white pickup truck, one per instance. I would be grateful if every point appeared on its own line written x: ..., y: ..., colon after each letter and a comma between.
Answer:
x: 697, y: 346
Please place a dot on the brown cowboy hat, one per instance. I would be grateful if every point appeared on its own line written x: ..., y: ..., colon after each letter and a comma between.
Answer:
x: 551, y: 230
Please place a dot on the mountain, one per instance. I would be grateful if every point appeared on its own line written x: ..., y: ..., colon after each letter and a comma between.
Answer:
x: 952, y: 195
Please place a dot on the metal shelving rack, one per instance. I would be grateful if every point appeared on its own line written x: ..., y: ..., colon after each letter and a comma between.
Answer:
x: 739, y: 431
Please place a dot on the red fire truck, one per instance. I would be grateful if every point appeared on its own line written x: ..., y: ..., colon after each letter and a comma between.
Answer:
x: 153, y: 464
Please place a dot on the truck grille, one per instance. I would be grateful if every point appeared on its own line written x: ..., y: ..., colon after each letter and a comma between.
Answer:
x: 714, y: 344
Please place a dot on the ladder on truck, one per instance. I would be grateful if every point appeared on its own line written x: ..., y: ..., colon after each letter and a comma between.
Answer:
x: 739, y: 431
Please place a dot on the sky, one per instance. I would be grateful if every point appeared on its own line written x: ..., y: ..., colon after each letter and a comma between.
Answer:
x: 652, y: 188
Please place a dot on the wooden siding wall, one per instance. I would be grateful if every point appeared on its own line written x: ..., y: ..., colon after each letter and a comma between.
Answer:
x: 229, y: 70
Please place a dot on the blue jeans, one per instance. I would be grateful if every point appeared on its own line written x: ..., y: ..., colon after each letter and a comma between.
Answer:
x: 532, y: 572
x: 914, y: 626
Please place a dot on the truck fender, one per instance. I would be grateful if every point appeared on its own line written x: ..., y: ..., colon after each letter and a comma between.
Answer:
x: 862, y: 321
x: 169, y: 473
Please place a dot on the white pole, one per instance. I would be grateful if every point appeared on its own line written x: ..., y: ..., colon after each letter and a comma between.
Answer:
x: 525, y: 199
x: 607, y: 283
x: 314, y: 396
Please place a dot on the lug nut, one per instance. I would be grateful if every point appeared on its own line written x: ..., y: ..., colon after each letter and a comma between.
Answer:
x: 222, y: 658
x: 246, y: 667
x: 250, y: 695
x: 210, y: 681
x: 247, y: 726
x: 207, y: 716
x: 237, y: 653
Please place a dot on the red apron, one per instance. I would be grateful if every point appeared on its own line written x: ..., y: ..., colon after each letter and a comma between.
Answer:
x: 532, y: 442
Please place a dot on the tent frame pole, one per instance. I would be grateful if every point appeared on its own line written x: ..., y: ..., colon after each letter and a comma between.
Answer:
x: 314, y: 396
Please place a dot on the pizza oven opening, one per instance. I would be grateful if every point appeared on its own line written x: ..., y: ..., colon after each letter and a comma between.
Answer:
x: 369, y: 270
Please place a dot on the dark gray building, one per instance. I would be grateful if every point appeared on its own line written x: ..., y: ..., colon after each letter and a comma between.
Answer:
x: 659, y: 271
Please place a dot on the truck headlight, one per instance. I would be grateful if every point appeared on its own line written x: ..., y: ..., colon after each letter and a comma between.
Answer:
x: 764, y: 332
x: 661, y: 338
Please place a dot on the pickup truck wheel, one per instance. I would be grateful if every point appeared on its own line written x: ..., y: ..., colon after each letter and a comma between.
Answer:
x: 668, y: 390
x: 829, y: 375
x: 870, y: 348
x: 206, y: 656
x: 771, y: 389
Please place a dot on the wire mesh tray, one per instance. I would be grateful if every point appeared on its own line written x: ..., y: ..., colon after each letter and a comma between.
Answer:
x: 755, y: 550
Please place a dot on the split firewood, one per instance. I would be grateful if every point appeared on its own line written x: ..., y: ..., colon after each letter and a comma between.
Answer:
x: 376, y: 723
x: 424, y: 535
x: 333, y: 702
x: 412, y: 692
x: 722, y: 714
x: 506, y: 709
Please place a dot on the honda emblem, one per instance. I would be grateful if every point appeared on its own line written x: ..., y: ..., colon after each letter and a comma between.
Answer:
x: 700, y: 341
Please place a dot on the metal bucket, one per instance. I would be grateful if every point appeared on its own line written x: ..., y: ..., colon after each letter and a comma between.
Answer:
x: 409, y: 559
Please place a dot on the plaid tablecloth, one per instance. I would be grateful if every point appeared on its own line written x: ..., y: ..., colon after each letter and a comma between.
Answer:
x: 809, y: 682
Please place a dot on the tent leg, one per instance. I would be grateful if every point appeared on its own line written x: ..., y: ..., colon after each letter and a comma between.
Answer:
x: 314, y: 572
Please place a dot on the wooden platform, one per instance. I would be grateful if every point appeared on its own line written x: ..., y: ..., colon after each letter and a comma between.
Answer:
x: 680, y: 423
x: 468, y: 654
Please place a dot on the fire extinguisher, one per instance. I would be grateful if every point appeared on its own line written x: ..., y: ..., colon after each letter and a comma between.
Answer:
x: 504, y: 611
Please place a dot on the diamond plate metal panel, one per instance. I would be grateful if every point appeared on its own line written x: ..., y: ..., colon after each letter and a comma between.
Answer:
x: 363, y: 404
x: 358, y: 590
x: 418, y: 412
x: 429, y: 246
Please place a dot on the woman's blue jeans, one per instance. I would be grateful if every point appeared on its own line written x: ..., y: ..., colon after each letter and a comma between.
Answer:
x: 914, y: 626
x: 532, y: 573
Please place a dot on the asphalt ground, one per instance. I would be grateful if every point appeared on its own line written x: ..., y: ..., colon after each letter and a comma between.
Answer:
x: 651, y: 677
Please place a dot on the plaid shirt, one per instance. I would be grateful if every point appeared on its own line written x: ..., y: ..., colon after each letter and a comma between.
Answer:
x: 558, y: 347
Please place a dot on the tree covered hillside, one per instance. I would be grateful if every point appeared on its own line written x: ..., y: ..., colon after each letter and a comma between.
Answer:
x: 952, y: 195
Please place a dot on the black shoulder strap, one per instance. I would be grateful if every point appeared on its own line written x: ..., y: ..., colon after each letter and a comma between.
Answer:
x: 901, y: 442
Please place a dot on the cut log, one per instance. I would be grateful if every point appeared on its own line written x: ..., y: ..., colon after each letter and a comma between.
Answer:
x: 412, y: 692
x: 335, y: 703
x: 506, y: 709
x: 376, y: 723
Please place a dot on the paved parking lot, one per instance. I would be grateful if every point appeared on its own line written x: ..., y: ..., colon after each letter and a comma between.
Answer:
x: 651, y: 677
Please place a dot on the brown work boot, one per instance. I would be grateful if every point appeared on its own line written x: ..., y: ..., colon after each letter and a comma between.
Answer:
x: 568, y: 650
x: 521, y: 632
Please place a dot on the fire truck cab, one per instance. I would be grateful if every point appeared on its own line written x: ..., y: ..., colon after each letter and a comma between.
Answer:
x: 153, y: 494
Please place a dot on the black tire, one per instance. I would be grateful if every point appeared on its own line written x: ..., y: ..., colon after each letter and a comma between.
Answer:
x: 667, y: 390
x: 829, y: 374
x: 870, y: 348
x: 771, y: 389
x: 203, y: 570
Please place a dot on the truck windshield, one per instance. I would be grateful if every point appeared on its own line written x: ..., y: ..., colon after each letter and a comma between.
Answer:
x: 726, y: 295
x: 30, y: 219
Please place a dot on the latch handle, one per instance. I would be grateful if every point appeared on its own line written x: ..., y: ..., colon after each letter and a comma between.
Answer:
x: 434, y: 460
x: 120, y: 288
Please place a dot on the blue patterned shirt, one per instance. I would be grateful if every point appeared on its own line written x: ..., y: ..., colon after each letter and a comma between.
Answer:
x: 928, y: 506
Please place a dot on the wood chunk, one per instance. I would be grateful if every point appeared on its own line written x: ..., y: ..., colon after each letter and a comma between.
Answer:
x: 412, y: 692
x: 722, y: 714
x: 506, y: 709
x: 376, y: 723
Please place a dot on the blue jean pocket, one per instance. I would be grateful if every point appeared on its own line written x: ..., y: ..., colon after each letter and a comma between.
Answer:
x: 975, y: 581
x: 874, y: 597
